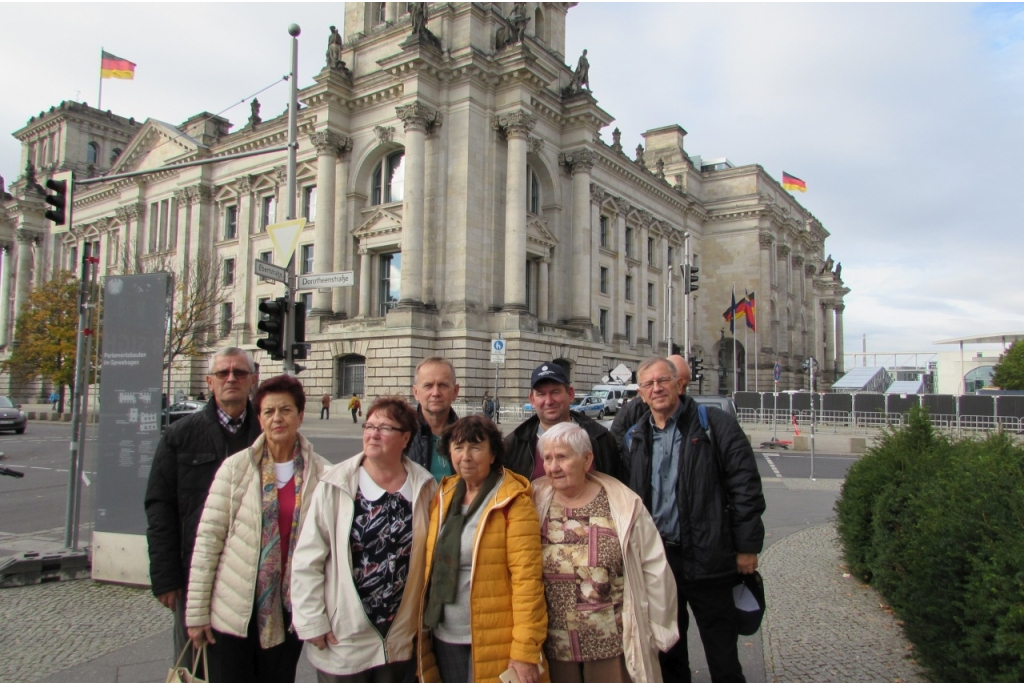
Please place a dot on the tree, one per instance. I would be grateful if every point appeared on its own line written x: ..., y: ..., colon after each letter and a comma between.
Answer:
x: 46, y: 334
x: 1009, y: 372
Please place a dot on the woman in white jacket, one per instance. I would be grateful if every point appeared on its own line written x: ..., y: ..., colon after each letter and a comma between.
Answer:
x: 239, y: 599
x: 359, y: 564
x: 611, y: 595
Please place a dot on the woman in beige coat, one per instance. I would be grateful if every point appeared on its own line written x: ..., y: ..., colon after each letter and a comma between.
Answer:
x: 610, y: 593
x: 239, y: 598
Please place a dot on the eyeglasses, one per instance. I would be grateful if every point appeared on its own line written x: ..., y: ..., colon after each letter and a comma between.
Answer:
x: 240, y: 374
x: 664, y: 380
x: 383, y: 429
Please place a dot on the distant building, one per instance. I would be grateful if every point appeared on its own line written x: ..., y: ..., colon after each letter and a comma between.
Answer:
x: 470, y: 185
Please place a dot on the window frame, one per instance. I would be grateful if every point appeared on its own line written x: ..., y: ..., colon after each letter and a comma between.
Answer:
x: 228, y: 278
x: 231, y: 222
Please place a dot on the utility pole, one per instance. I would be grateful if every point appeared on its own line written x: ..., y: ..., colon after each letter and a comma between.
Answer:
x: 293, y: 147
x: 686, y: 297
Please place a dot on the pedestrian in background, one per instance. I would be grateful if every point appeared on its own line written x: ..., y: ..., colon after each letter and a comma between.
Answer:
x: 239, y: 591
x: 355, y: 407
x: 325, y: 407
x: 358, y: 569
x: 54, y: 399
x: 184, y: 465
x: 488, y: 406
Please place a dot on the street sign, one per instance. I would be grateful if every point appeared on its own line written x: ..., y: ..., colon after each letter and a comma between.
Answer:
x: 622, y: 373
x: 777, y: 372
x: 285, y: 236
x: 271, y: 271
x: 498, y: 351
x: 340, y: 279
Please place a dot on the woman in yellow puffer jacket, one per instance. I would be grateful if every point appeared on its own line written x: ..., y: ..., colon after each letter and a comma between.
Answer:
x: 483, y: 609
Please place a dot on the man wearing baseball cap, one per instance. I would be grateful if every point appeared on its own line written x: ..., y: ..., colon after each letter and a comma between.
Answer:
x: 551, y: 396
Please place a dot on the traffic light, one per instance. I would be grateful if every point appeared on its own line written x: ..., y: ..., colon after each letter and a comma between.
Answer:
x: 273, y: 325
x: 299, y: 349
x: 690, y: 279
x: 60, y: 198
x: 695, y: 367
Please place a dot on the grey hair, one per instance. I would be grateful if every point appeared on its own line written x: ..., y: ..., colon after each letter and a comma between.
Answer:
x: 566, y: 433
x: 435, y: 360
x: 653, y: 361
x: 232, y: 352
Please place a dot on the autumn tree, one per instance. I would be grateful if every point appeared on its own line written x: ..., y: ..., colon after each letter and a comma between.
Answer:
x: 46, y: 335
x: 1009, y: 372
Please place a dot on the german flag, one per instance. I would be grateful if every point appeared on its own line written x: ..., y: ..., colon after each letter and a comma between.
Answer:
x: 793, y: 183
x: 113, y: 66
x: 750, y: 310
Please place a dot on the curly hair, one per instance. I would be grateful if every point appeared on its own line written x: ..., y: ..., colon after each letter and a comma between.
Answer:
x: 398, y: 410
x: 284, y: 384
x: 473, y: 429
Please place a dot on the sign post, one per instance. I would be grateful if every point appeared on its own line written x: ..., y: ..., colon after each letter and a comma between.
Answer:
x: 497, y: 358
x: 776, y: 375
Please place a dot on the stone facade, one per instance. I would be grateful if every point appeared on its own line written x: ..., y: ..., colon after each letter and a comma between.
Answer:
x: 471, y: 196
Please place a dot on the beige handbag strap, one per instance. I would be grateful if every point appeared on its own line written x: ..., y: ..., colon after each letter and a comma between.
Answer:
x: 181, y: 656
x: 201, y: 656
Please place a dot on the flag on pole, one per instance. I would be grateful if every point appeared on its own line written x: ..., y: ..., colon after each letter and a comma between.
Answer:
x: 732, y: 321
x: 749, y: 310
x: 793, y: 183
x: 112, y: 66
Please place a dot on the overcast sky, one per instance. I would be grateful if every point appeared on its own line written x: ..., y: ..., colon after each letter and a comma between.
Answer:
x: 906, y: 121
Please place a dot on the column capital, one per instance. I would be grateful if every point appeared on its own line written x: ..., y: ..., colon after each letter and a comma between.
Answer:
x: 363, y: 251
x: 839, y: 307
x: 765, y: 240
x: 798, y: 260
x: 828, y: 304
x: 597, y: 193
x: 782, y: 251
x: 418, y: 117
x: 200, y: 193
x: 514, y: 124
x: 245, y: 184
x: 578, y: 161
x: 281, y: 174
x: 329, y: 143
x: 25, y: 236
x: 181, y: 196
x: 810, y: 270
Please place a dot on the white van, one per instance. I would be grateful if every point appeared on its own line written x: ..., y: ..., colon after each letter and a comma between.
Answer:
x: 615, y: 396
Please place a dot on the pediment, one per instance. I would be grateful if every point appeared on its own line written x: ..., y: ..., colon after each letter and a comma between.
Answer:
x: 537, y: 232
x: 380, y: 222
x: 155, y: 145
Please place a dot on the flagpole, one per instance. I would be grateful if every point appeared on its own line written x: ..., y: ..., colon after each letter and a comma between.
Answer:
x: 735, y: 375
x: 746, y: 355
x: 99, y: 104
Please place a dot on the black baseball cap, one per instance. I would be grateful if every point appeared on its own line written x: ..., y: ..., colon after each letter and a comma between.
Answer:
x: 548, y: 371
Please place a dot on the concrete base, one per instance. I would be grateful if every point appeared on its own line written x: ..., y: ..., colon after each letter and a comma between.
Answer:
x: 858, y: 445
x: 120, y: 558
x: 802, y: 443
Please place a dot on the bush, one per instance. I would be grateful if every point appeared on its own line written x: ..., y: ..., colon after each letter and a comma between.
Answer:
x: 938, y: 528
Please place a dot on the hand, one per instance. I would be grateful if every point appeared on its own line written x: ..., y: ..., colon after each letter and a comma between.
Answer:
x: 322, y: 641
x: 746, y: 563
x: 528, y: 673
x: 170, y: 599
x: 201, y: 634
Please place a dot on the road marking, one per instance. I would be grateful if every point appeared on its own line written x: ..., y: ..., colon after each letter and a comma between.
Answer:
x: 768, y: 458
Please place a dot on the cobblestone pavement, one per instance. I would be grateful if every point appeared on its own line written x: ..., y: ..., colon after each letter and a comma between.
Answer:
x: 823, y: 627
x: 50, y: 627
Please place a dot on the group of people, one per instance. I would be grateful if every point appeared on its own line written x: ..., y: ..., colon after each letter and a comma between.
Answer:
x: 445, y: 552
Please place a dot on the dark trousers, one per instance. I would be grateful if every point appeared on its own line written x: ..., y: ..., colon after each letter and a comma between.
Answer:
x: 236, y: 659
x: 715, y: 612
x: 394, y: 672
x: 453, y: 661
x: 325, y: 412
x: 354, y: 412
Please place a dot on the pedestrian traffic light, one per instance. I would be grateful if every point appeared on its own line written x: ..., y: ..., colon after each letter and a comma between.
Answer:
x: 300, y: 349
x: 273, y: 325
x: 695, y: 367
x: 60, y: 198
x: 690, y: 279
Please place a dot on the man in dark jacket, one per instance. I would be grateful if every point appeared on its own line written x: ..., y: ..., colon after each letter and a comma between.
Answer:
x: 551, y: 396
x: 184, y: 465
x: 435, y: 390
x: 704, y: 493
x: 628, y: 414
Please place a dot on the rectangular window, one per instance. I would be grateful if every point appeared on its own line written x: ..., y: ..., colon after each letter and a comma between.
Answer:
x: 309, y: 203
x: 650, y: 294
x: 226, y: 316
x: 267, y: 217
x: 306, y: 299
x: 306, y: 265
x: 629, y: 329
x: 267, y: 256
x: 604, y: 280
x: 165, y: 211
x: 229, y: 271
x: 650, y: 332
x: 604, y: 231
x: 671, y: 260
x: 73, y: 263
x: 629, y: 288
x: 650, y: 251
x: 629, y: 241
x: 389, y: 281
x: 531, y: 274
x: 230, y: 222
x: 154, y: 224
x: 603, y: 320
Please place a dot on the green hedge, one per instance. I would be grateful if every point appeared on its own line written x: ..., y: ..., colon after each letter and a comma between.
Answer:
x: 937, y: 526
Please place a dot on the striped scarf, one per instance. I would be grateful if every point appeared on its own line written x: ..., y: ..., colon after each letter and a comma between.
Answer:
x: 273, y: 586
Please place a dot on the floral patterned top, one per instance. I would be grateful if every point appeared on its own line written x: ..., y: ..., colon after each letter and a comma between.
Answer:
x: 583, y: 582
x: 381, y: 543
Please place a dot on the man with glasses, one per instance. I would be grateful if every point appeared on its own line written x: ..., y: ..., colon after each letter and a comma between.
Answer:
x: 186, y: 460
x: 628, y: 414
x: 704, y: 492
x: 435, y: 390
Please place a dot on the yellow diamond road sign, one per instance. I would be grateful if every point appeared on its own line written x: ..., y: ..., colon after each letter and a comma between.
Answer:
x: 285, y: 236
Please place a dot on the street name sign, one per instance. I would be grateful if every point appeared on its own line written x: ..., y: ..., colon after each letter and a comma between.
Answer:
x: 271, y: 271
x: 339, y: 279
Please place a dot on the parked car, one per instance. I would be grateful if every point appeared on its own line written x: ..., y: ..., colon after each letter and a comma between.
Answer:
x: 12, y: 418
x: 720, y: 401
x: 180, y: 410
x: 591, y: 406
x: 615, y: 396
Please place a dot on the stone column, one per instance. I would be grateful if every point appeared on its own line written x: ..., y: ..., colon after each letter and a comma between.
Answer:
x: 517, y: 127
x: 326, y: 144
x: 23, y: 284
x: 416, y: 118
x: 248, y: 216
x: 364, y: 282
x: 580, y: 163
x: 542, y: 295
x: 840, y: 362
x: 5, y: 293
x: 340, y: 301
x: 830, y: 339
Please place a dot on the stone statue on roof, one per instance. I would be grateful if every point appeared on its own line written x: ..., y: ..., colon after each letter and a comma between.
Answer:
x: 334, y: 46
x: 418, y: 15
x: 254, y: 113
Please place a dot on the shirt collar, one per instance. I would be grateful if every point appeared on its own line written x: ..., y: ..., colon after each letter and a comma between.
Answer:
x: 373, y: 492
x: 226, y: 420
x: 672, y: 421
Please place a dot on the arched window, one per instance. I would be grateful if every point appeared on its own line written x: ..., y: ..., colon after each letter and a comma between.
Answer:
x: 388, y: 179
x: 978, y: 378
x: 92, y: 153
x: 533, y: 191
x: 114, y: 154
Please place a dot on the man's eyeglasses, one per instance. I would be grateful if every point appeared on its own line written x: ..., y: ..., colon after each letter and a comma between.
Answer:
x: 664, y: 380
x: 382, y: 429
x: 240, y: 374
